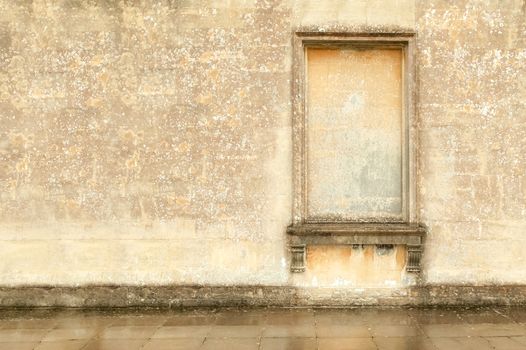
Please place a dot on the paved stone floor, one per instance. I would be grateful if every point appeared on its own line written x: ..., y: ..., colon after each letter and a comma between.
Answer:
x: 277, y: 329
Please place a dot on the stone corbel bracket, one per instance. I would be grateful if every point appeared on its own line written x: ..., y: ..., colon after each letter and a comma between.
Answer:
x: 302, y: 235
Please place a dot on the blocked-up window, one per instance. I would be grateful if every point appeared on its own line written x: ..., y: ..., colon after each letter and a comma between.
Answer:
x: 354, y: 144
x: 354, y: 129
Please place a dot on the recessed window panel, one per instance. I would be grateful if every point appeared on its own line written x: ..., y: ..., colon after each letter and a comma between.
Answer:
x: 354, y: 133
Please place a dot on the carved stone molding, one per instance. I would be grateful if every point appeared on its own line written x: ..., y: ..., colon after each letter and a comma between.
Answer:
x: 414, y: 255
x: 298, y: 258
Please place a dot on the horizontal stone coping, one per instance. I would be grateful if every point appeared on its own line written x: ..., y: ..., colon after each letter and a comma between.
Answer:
x: 206, y: 296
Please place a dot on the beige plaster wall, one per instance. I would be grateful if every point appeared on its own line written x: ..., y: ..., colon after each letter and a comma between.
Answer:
x: 149, y: 142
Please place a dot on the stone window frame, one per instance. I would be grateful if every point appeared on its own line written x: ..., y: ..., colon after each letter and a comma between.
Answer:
x: 409, y: 132
x: 334, y: 231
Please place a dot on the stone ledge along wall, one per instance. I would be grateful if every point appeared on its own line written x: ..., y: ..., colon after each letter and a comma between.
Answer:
x: 149, y: 142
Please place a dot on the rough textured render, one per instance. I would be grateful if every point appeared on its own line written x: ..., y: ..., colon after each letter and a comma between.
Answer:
x: 354, y: 133
x: 149, y: 142
x: 472, y: 110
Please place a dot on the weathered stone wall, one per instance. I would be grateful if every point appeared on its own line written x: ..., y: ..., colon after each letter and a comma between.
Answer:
x: 149, y: 142
x: 144, y: 142
x: 472, y: 112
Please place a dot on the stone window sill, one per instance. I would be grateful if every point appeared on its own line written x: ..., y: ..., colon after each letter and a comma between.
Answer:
x: 301, y: 235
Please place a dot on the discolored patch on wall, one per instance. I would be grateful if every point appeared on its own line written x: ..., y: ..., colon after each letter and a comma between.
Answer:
x: 360, y: 266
